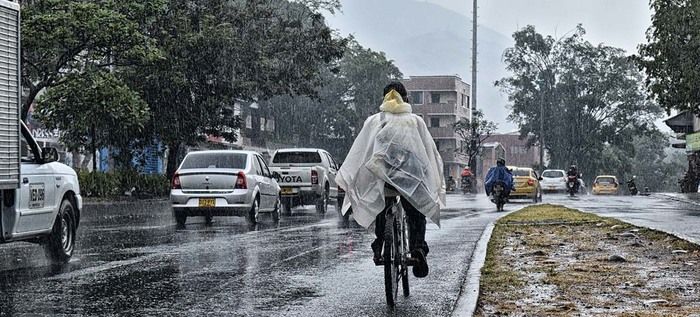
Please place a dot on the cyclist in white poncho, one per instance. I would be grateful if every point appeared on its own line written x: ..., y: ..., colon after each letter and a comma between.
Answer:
x: 394, y: 149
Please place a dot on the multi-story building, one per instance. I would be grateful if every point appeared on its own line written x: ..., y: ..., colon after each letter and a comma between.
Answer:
x: 442, y: 101
x: 517, y: 150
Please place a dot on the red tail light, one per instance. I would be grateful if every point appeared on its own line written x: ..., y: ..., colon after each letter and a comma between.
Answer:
x: 176, y: 182
x: 314, y: 177
x: 530, y: 182
x: 241, y: 182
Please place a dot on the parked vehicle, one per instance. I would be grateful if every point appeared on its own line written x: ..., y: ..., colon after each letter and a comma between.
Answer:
x: 306, y: 177
x: 41, y: 199
x: 527, y: 184
x: 499, y: 196
x: 605, y: 184
x: 554, y: 181
x: 632, y: 187
x: 224, y: 183
x: 451, y: 184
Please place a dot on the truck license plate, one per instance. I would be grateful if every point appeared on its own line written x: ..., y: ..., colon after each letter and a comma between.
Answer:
x: 287, y: 191
x: 207, y: 202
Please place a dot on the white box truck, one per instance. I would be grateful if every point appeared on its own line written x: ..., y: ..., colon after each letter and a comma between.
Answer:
x: 39, y: 198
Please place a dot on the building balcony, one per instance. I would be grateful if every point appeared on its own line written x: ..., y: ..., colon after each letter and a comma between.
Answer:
x: 449, y: 109
x: 443, y: 133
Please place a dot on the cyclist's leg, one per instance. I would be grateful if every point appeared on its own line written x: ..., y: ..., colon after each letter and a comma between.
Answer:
x: 416, y: 236
x: 378, y: 242
x: 416, y: 227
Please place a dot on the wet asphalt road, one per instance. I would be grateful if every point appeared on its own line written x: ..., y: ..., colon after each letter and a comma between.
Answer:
x: 132, y: 260
x: 655, y: 211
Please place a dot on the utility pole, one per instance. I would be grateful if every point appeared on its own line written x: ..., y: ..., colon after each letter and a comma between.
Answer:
x: 541, y: 135
x: 472, y: 161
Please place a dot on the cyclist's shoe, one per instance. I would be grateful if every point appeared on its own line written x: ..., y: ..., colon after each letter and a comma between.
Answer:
x: 377, y: 250
x: 420, y: 268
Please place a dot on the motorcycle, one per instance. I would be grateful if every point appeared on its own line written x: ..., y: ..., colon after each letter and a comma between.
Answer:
x: 572, y: 185
x: 451, y: 186
x: 498, y: 195
x: 632, y: 186
x: 466, y: 184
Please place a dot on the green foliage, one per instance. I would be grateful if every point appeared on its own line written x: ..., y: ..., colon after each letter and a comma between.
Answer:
x: 62, y: 38
x: 94, y: 99
x: 350, y: 91
x: 671, y: 54
x: 472, y: 133
x: 591, y: 97
x: 116, y: 184
x: 219, y: 52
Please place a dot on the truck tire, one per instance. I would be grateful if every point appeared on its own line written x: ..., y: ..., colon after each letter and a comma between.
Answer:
x: 287, y: 206
x: 60, y: 243
x: 277, y: 211
x: 322, y: 202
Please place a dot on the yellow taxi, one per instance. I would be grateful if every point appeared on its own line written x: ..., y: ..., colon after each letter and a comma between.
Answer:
x: 527, y: 184
x: 606, y: 184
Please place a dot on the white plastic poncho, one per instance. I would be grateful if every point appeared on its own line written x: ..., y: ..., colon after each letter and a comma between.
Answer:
x: 395, y: 148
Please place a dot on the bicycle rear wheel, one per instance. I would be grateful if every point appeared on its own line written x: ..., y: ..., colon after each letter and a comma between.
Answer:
x: 391, y: 265
x: 404, y: 250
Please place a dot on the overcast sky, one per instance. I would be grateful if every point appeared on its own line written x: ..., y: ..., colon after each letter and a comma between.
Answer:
x: 620, y: 23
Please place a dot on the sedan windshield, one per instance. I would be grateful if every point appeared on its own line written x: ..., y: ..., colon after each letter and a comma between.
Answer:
x: 553, y: 174
x: 215, y: 160
x: 521, y: 173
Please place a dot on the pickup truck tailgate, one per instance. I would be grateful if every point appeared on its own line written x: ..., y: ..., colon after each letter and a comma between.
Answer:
x: 294, y: 176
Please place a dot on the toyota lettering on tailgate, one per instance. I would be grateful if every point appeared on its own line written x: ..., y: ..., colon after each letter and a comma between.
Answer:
x: 289, y: 179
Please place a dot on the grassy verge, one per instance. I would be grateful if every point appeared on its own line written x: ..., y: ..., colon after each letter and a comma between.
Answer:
x: 549, y: 260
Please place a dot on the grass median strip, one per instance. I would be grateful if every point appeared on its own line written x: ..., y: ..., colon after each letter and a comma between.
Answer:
x: 549, y: 260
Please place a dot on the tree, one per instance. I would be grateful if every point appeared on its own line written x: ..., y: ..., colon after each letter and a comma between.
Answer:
x: 62, y: 38
x: 591, y: 96
x: 95, y: 108
x: 350, y: 91
x: 217, y: 53
x: 472, y: 134
x: 669, y: 59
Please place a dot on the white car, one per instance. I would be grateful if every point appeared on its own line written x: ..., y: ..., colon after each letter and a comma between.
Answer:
x: 224, y: 183
x: 553, y: 181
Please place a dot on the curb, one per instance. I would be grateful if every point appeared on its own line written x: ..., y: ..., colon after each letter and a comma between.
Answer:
x: 674, y: 198
x: 469, y: 294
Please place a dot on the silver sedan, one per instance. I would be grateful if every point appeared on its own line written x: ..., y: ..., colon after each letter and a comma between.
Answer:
x: 224, y: 183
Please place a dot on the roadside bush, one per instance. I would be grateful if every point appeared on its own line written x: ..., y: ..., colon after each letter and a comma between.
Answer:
x: 123, y: 183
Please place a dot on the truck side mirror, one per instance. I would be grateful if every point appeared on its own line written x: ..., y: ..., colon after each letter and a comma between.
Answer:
x: 49, y: 154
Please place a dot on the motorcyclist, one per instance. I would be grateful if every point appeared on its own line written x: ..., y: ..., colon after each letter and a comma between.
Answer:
x: 395, y: 150
x: 573, y: 171
x: 451, y: 183
x: 499, y: 173
x: 467, y: 172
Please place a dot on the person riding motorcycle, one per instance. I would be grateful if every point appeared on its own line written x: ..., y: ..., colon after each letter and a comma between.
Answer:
x: 395, y: 150
x: 466, y: 181
x: 573, y: 171
x: 499, y: 173
x: 451, y: 184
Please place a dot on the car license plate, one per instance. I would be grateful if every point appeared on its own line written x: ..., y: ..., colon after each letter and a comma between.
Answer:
x: 207, y: 202
x: 287, y: 191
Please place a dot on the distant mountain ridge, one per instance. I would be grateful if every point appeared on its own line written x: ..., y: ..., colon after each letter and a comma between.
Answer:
x: 427, y: 39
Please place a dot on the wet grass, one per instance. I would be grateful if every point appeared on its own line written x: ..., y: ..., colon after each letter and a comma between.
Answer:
x: 548, y: 260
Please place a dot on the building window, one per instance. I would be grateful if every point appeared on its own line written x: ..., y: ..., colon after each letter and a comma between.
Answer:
x: 435, y: 122
x: 416, y: 97
x: 437, y: 145
x: 466, y: 104
x: 435, y: 97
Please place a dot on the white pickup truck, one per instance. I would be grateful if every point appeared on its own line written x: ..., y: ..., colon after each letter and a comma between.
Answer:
x: 306, y: 177
x: 39, y: 198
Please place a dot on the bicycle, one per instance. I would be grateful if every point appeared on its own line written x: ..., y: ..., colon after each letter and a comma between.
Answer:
x: 395, y: 257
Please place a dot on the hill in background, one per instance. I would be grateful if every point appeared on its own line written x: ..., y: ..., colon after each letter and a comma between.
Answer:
x: 427, y: 39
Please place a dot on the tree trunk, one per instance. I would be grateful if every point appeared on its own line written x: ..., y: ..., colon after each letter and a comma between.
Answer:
x: 173, y: 159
